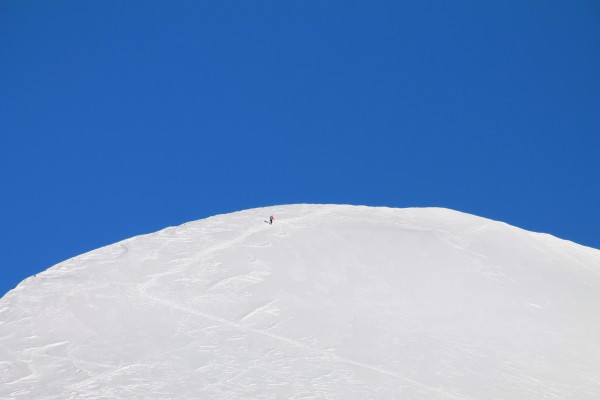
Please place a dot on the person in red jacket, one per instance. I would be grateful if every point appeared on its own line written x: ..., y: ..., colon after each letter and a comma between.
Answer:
x: 271, y: 219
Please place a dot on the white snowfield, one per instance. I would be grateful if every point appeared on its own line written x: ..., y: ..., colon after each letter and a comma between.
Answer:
x: 329, y: 302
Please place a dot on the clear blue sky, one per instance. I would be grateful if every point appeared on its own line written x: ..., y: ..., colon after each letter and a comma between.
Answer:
x: 119, y: 118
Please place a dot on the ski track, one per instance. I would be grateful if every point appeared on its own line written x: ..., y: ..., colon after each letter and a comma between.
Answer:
x: 324, y: 353
x: 257, y: 310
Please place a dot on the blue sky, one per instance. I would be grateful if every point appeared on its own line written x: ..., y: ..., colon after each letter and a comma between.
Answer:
x: 119, y: 118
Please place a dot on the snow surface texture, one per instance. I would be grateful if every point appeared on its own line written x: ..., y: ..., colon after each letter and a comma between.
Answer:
x: 329, y: 302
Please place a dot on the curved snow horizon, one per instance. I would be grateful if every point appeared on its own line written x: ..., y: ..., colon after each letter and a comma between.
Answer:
x: 328, y: 302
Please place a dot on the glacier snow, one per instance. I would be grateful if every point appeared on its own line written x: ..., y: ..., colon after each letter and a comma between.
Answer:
x: 329, y: 302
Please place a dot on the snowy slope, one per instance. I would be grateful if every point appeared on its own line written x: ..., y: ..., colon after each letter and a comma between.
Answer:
x: 329, y: 302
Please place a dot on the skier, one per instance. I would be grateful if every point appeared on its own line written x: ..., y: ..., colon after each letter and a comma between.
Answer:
x: 271, y: 219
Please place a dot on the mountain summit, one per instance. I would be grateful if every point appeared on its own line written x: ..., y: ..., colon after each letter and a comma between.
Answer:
x: 327, y: 302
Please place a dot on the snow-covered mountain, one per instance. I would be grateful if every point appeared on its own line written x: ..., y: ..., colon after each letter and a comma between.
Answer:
x: 329, y: 302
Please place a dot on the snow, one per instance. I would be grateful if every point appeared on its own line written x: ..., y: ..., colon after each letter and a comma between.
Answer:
x: 329, y: 302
